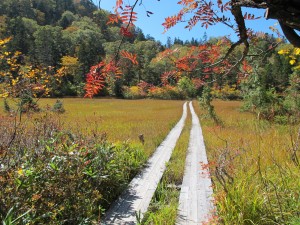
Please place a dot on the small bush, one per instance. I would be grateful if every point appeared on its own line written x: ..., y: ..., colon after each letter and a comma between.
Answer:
x: 281, y: 119
x: 27, y: 104
x: 226, y: 93
x: 133, y: 92
x: 205, y: 102
x: 6, y: 106
x: 58, y: 107
x: 268, y: 104
x: 167, y: 92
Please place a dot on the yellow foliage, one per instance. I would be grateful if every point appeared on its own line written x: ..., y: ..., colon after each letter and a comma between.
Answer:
x: 134, y: 89
x: 292, y: 61
x: 4, y: 95
x: 69, y: 61
x: 19, y: 77
x: 4, y: 41
x: 297, y: 51
x: 293, y: 54
x: 20, y: 171
x: 283, y: 52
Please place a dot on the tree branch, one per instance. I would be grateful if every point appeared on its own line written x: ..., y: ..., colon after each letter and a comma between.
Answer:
x: 251, y: 4
x: 290, y: 34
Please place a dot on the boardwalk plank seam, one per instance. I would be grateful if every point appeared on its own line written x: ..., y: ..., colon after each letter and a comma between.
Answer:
x: 137, y: 197
x: 195, y: 200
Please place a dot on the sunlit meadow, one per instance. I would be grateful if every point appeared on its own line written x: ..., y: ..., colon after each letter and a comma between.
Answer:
x: 254, y: 166
x: 120, y: 120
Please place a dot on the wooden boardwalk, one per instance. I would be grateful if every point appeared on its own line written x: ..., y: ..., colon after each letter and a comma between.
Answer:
x: 195, y: 201
x: 136, y: 199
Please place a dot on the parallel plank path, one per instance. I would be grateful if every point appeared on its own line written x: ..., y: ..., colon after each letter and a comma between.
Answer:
x: 136, y: 199
x: 195, y: 201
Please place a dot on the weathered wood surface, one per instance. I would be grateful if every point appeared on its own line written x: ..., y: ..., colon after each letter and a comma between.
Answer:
x: 136, y: 199
x: 195, y: 201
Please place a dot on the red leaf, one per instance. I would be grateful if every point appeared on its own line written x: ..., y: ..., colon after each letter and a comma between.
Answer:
x: 125, y: 32
x: 165, y: 76
x: 96, y: 78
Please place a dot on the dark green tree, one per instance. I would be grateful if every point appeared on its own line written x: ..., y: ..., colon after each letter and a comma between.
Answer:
x: 49, y: 45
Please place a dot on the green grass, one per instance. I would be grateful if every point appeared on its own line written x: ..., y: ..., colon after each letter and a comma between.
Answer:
x: 256, y: 180
x: 164, y: 204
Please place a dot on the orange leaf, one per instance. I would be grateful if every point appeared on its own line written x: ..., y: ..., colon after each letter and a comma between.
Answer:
x: 112, y: 18
x: 119, y: 3
x: 130, y: 56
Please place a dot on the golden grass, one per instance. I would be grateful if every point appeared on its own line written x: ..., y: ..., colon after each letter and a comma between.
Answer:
x: 242, y: 130
x: 122, y: 120
x: 257, y: 155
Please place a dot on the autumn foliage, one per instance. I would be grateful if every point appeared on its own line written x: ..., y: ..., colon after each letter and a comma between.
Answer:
x: 102, y: 72
x: 21, y: 80
x: 206, y: 59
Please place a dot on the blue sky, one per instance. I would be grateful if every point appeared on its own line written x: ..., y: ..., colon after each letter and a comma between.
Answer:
x: 163, y: 8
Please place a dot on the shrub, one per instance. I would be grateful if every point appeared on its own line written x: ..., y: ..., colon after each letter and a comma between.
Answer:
x: 205, y: 102
x: 226, y: 93
x: 6, y: 106
x: 61, y: 178
x: 174, y: 92
x: 28, y: 104
x: 133, y: 92
x: 167, y: 92
x: 156, y: 92
x: 267, y: 104
x: 187, y: 86
x: 58, y: 107
x: 291, y: 102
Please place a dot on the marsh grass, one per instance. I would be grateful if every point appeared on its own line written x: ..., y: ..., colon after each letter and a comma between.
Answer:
x: 254, y: 167
x: 68, y: 168
x: 164, y: 204
x: 119, y: 120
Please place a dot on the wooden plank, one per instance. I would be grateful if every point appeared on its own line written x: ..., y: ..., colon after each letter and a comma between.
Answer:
x: 136, y: 199
x: 195, y: 200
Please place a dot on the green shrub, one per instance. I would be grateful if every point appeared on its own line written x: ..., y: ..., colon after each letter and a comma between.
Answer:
x: 291, y: 102
x: 205, y: 102
x: 60, y: 178
x: 58, y: 107
x: 28, y: 104
x: 187, y: 87
x: 267, y: 104
x: 6, y: 106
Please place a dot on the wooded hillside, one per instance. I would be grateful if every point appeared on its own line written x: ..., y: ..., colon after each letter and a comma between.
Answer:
x: 70, y: 36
